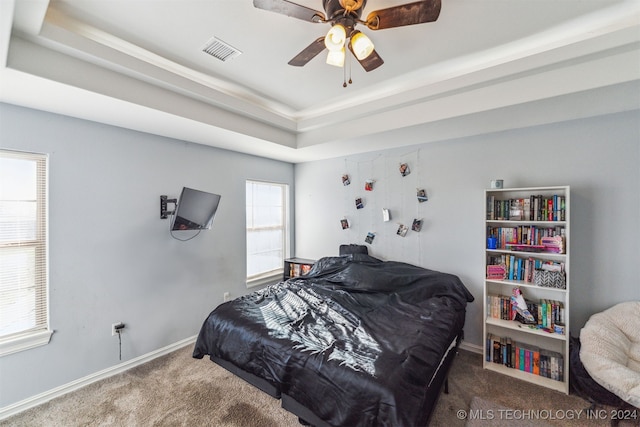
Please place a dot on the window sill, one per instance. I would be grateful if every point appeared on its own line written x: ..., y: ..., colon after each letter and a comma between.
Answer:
x: 265, y: 280
x: 25, y: 341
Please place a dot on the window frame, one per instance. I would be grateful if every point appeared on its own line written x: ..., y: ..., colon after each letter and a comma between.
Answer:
x: 41, y: 333
x: 271, y: 276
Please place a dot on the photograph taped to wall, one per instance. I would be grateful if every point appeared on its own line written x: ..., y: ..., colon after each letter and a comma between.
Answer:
x: 359, y: 203
x: 417, y: 225
x: 404, y: 169
x: 422, y: 195
x: 345, y: 179
x: 370, y: 237
x: 402, y: 230
x: 344, y: 223
x: 368, y: 185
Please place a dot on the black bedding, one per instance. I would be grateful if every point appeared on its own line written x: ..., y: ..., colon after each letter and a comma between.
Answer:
x: 356, y: 341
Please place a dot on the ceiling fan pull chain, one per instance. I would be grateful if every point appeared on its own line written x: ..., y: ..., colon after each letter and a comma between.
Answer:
x: 344, y: 71
x: 350, y: 81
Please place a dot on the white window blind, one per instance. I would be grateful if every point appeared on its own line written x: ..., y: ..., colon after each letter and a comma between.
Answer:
x: 24, y: 321
x: 267, y: 230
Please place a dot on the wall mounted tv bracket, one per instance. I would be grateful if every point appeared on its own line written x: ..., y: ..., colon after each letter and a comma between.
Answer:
x: 164, y: 214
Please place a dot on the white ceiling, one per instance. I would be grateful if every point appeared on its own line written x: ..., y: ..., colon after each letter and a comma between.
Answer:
x: 139, y: 64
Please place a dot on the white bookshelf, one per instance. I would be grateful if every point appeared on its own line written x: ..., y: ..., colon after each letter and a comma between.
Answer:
x: 529, y: 336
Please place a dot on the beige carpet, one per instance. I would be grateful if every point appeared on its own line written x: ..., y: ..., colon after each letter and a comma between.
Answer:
x: 173, y: 390
x: 177, y: 390
x: 484, y: 413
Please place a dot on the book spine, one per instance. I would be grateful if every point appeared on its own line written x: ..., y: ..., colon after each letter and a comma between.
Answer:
x: 491, y: 200
x: 488, y: 348
x: 503, y: 354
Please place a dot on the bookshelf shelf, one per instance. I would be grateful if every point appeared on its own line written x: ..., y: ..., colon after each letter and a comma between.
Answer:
x: 520, y: 222
x: 524, y: 254
x: 512, y: 324
x: 535, y: 220
x: 523, y: 284
x: 535, y: 379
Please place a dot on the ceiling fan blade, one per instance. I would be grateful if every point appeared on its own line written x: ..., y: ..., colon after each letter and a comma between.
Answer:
x: 405, y: 14
x: 308, y: 53
x: 369, y: 63
x: 291, y: 9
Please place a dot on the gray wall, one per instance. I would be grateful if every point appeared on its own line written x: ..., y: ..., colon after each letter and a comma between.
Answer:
x: 111, y: 256
x: 112, y: 259
x: 599, y: 158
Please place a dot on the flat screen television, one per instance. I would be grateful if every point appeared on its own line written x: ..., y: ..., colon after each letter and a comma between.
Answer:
x: 195, y: 210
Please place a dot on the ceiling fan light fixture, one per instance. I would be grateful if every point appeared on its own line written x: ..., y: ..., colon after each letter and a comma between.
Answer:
x: 336, y: 57
x: 361, y: 44
x: 335, y: 38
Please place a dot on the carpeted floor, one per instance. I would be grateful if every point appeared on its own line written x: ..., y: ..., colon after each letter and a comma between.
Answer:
x: 173, y: 390
x: 524, y: 400
x: 177, y: 390
x: 485, y: 413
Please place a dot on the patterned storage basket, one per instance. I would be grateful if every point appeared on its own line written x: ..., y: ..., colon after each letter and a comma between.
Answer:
x: 550, y: 279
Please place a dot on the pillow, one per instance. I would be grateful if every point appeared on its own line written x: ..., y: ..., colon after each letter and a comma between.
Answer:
x: 353, y: 249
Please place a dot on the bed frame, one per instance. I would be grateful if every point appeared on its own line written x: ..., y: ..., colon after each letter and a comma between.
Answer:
x: 307, y: 417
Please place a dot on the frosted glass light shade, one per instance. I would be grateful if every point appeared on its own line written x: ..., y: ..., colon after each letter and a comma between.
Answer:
x: 335, y: 38
x: 336, y: 57
x: 361, y: 45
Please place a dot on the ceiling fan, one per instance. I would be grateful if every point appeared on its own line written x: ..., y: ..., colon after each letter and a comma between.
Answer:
x: 344, y: 15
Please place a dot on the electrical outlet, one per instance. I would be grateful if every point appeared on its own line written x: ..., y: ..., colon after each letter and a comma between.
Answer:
x: 226, y: 296
x: 115, y: 327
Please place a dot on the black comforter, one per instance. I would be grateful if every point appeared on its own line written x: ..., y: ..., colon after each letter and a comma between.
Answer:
x: 357, y: 341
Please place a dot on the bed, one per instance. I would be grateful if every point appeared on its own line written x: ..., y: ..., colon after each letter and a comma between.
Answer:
x: 356, y: 342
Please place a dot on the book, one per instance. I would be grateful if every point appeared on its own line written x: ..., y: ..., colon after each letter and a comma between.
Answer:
x: 497, y: 272
x: 516, y: 209
x: 305, y: 268
x: 496, y: 349
x: 536, y: 362
x: 489, y: 347
x: 508, y: 360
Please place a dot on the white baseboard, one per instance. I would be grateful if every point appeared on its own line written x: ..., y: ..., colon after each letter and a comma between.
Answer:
x: 41, y: 398
x: 471, y: 347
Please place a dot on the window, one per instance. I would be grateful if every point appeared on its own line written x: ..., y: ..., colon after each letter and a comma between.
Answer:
x: 24, y: 316
x: 267, y: 231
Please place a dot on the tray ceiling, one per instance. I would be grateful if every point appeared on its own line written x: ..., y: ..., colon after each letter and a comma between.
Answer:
x: 140, y: 64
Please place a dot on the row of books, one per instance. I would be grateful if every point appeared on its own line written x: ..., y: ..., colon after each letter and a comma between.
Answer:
x: 548, y: 314
x: 527, y: 358
x: 532, y: 208
x: 529, y: 238
x: 296, y: 270
x: 511, y: 267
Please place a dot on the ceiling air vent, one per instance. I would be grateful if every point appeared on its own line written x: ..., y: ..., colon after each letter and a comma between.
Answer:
x: 221, y: 50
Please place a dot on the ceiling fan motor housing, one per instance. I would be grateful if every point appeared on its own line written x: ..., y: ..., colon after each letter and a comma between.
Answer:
x: 334, y: 9
x: 337, y: 13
